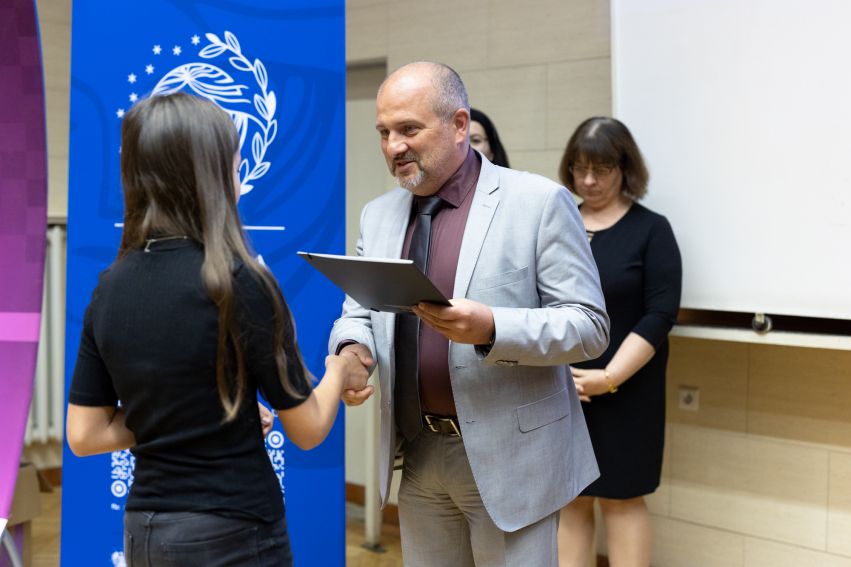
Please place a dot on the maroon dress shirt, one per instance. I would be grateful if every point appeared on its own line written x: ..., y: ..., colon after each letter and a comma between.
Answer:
x: 447, y: 231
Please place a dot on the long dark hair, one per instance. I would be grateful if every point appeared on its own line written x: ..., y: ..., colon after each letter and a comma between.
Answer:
x: 500, y: 157
x: 606, y: 141
x: 177, y: 168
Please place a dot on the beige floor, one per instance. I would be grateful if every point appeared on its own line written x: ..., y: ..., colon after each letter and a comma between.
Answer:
x: 47, y: 526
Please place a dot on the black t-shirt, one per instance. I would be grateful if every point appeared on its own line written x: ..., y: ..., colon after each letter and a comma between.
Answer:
x: 149, y: 340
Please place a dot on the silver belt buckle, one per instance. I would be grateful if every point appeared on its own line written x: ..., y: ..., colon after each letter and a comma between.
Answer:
x: 429, y: 423
x: 454, y: 428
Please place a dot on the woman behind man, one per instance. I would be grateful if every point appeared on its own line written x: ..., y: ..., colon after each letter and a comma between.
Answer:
x: 624, y: 390
x: 181, y: 331
x: 484, y: 138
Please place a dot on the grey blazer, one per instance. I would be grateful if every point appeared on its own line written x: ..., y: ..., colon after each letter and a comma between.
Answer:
x: 525, y: 254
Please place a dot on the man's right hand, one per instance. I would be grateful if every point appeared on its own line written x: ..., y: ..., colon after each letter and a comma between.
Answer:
x: 351, y: 396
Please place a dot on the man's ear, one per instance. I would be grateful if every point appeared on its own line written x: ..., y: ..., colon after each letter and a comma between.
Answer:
x: 461, y: 121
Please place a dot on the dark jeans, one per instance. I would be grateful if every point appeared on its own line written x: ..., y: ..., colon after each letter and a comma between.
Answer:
x: 185, y: 539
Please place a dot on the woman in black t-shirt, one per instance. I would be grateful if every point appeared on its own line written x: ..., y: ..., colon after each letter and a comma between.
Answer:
x: 624, y: 389
x: 181, y: 332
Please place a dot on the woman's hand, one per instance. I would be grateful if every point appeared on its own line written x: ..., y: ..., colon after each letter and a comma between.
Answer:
x: 352, y: 397
x: 589, y: 382
x: 352, y: 366
x: 267, y: 419
x: 580, y: 391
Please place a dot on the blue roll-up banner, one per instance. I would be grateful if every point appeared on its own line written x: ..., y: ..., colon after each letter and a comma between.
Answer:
x: 278, y: 67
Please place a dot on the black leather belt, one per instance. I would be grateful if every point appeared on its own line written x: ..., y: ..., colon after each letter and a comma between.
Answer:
x: 443, y: 425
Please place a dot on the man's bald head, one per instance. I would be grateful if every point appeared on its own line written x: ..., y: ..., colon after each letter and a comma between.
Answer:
x: 442, y: 83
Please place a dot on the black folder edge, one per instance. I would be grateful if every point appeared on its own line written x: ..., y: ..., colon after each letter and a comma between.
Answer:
x: 376, y: 285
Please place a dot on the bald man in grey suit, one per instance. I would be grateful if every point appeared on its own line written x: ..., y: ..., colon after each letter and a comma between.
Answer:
x: 487, y: 418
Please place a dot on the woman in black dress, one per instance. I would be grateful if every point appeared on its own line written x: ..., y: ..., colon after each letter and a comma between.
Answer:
x: 624, y: 389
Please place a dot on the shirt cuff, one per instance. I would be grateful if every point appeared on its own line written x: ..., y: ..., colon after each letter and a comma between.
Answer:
x: 343, y: 345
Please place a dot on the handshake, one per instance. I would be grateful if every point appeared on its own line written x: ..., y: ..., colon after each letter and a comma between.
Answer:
x: 352, y: 364
x: 463, y: 321
x: 346, y: 376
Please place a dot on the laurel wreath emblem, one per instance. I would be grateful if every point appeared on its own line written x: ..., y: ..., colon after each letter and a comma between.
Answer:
x: 216, y: 84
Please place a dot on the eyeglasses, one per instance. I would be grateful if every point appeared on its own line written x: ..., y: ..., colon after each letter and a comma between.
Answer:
x: 597, y: 170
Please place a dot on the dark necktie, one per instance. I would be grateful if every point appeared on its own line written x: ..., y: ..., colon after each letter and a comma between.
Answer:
x: 406, y: 387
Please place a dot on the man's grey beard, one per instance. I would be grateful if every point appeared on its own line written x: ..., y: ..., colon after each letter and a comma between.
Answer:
x: 413, y: 182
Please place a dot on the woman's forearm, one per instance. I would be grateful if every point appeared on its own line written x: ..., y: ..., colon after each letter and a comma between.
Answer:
x: 95, y: 430
x: 630, y: 357
x: 308, y: 424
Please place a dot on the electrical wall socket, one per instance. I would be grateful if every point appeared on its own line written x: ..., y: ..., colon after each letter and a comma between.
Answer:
x: 688, y: 398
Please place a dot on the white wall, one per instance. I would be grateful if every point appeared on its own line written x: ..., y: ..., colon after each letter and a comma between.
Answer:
x: 366, y: 178
x: 536, y: 68
x: 54, y: 20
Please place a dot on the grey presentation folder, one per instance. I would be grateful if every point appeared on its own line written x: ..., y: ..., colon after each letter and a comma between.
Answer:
x: 380, y: 284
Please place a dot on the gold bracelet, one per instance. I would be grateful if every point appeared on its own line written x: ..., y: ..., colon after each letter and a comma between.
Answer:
x: 612, y: 387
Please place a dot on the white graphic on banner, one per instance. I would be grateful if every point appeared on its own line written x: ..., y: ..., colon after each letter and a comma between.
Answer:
x: 123, y: 463
x: 275, y: 449
x: 118, y: 559
x: 226, y: 78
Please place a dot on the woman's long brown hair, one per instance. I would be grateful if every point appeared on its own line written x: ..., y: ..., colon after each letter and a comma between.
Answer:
x: 177, y: 168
